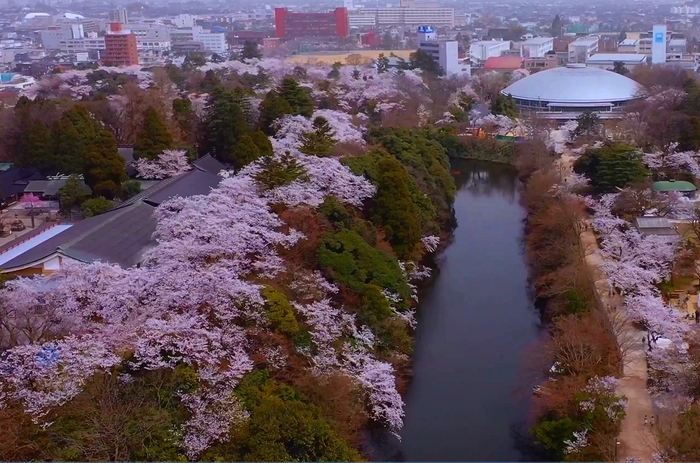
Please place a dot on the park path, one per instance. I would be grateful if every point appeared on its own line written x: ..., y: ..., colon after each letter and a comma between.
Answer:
x: 637, y: 440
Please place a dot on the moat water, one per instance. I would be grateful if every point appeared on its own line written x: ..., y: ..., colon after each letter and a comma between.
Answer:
x: 477, y: 324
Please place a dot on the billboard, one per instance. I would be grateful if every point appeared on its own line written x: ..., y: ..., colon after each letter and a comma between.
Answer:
x: 659, y: 37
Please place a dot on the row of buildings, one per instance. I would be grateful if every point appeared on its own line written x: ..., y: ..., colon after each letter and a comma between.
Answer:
x: 658, y: 46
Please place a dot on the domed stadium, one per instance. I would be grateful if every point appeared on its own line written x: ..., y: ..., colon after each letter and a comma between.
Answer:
x: 566, y: 92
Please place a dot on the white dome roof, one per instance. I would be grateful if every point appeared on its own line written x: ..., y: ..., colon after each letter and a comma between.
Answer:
x: 575, y: 84
x: 73, y: 16
x: 36, y: 15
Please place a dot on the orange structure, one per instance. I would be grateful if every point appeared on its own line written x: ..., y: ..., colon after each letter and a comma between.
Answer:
x: 120, y: 47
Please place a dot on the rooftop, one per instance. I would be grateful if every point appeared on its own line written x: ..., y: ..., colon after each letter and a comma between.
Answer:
x: 538, y: 40
x: 503, y: 62
x: 674, y: 185
x: 585, y: 41
x: 624, y: 57
x: 575, y: 84
x: 628, y: 42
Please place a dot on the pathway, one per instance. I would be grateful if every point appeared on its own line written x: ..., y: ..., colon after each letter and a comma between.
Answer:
x: 636, y: 440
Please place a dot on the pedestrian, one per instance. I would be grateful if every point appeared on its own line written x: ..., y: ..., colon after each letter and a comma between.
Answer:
x: 646, y: 420
x: 643, y: 339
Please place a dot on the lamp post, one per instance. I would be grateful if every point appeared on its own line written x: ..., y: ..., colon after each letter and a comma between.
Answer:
x: 617, y: 443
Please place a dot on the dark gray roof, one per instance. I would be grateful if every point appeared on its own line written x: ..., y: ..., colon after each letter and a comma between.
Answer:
x: 122, y: 235
x: 15, y: 179
x: 191, y: 183
x: 119, y: 236
x: 48, y: 187
x: 209, y: 164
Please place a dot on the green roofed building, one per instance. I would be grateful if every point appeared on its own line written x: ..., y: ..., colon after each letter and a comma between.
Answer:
x: 681, y: 186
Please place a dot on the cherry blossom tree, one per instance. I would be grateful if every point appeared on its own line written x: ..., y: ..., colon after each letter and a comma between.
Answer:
x: 168, y: 164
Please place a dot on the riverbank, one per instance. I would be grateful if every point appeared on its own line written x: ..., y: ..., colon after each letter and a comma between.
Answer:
x: 636, y: 439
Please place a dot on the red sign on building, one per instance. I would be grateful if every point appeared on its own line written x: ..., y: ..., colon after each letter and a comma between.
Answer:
x: 289, y: 25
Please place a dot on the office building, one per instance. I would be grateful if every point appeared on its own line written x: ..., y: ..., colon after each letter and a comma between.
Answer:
x: 120, y: 47
x: 290, y: 25
x: 658, y: 46
x: 119, y: 15
x: 628, y: 46
x: 191, y: 37
x: 582, y: 49
x: 444, y: 52
x: 480, y: 51
x: 536, y: 47
x: 405, y: 16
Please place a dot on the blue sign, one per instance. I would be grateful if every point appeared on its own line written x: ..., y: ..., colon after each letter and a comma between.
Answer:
x: 659, y: 37
x: 425, y: 29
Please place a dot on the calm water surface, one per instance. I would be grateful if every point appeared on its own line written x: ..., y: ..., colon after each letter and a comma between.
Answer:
x: 476, y: 324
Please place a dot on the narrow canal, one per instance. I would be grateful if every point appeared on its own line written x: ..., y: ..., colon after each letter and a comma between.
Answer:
x: 476, y: 324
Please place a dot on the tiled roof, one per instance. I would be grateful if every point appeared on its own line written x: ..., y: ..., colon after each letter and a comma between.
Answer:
x: 503, y: 62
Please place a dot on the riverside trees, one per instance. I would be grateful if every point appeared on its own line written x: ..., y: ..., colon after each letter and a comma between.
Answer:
x: 227, y: 334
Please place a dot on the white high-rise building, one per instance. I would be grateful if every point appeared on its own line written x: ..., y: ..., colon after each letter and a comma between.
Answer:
x: 119, y: 15
x: 444, y: 52
x: 658, y: 44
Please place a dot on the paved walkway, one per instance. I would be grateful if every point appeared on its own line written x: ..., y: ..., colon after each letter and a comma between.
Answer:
x: 637, y: 440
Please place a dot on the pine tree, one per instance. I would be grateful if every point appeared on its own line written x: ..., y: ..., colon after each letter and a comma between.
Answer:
x: 209, y: 82
x: 153, y: 138
x: 319, y: 142
x: 276, y: 172
x: 104, y: 167
x: 68, y: 147
x: 263, y: 143
x: 73, y: 193
x: 38, y: 148
x: 245, y: 152
x: 224, y: 124
x: 382, y: 63
x: 298, y: 97
x: 556, y: 26
x: 393, y: 208
x: 250, y: 50
x: 272, y: 108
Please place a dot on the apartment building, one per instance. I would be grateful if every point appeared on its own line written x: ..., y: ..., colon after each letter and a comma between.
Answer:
x: 406, y: 16
x: 480, y: 51
x: 582, y: 49
x: 291, y: 25
x: 120, y: 46
x: 119, y: 15
x: 536, y: 47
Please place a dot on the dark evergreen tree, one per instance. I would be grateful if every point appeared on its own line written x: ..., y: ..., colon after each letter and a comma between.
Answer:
x: 153, y: 138
x: 620, y: 68
x: 272, y: 108
x: 68, y: 147
x: 424, y: 61
x: 382, y: 63
x: 504, y: 105
x: 319, y: 142
x: 185, y: 118
x: 38, y: 148
x: 224, y: 124
x: 245, y: 152
x: 298, y: 97
x: 393, y: 208
x: 263, y: 143
x: 335, y: 70
x: 250, y: 50
x: 279, y: 171
x: 556, y: 26
x: 104, y: 167
x: 72, y: 194
x: 210, y: 81
x: 689, y: 137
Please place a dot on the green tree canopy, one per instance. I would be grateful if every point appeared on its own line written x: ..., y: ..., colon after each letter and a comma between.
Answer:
x: 224, y: 124
x: 394, y: 210
x: 272, y: 108
x: 104, y: 167
x: 245, y: 152
x: 298, y: 97
x: 319, y: 142
x: 612, y: 166
x: 278, y: 171
x: 420, y: 59
x: 72, y: 194
x: 504, y: 105
x: 250, y: 50
x: 153, y: 138
x: 96, y: 206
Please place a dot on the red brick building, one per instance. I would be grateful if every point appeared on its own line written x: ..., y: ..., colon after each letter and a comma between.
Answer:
x: 120, y: 47
x: 289, y: 25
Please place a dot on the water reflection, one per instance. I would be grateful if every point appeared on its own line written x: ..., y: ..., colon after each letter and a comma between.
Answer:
x: 476, y: 322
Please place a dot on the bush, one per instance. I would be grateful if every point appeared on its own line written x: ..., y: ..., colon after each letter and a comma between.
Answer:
x: 96, y: 206
x: 280, y: 312
x: 612, y: 166
x: 347, y: 259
